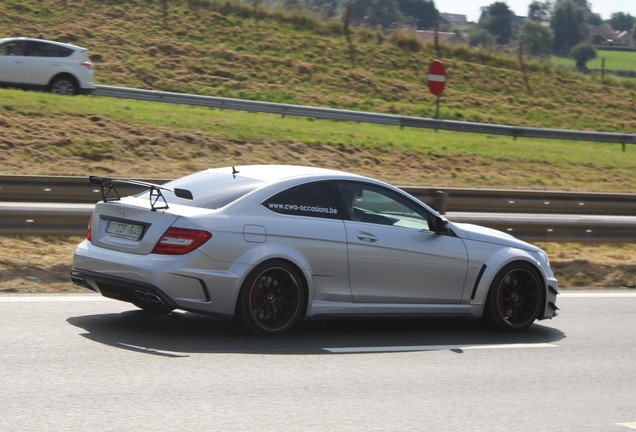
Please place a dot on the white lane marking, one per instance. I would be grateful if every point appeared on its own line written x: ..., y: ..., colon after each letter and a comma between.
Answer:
x: 613, y: 294
x: 631, y: 425
x: 51, y: 298
x: 352, y: 350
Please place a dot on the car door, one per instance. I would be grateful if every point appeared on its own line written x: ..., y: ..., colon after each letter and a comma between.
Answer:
x: 310, y: 223
x: 394, y: 255
x: 12, y: 62
x: 42, y: 62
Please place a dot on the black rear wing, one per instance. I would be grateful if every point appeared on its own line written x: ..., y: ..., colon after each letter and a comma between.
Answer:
x: 157, y: 200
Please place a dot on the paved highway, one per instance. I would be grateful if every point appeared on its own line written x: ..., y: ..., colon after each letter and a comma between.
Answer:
x: 81, y: 362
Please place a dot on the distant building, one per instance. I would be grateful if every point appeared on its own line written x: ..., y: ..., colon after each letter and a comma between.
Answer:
x: 452, y: 19
x: 606, y: 35
x: 624, y: 38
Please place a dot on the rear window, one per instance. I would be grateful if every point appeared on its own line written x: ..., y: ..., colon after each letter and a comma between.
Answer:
x: 211, y: 191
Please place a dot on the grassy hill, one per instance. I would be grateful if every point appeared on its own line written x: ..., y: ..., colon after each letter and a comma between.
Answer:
x: 218, y: 47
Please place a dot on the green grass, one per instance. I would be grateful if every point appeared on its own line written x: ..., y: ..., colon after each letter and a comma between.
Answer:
x: 614, y: 60
x: 255, y: 128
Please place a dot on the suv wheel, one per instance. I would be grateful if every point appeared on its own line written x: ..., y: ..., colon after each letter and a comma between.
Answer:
x: 64, y: 85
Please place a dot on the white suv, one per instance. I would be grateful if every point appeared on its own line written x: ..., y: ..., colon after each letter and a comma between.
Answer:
x: 58, y: 67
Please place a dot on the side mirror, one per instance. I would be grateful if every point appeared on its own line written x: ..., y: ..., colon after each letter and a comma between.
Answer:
x: 440, y: 225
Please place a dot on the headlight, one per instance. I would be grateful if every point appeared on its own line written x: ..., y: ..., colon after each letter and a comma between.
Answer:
x: 543, y: 256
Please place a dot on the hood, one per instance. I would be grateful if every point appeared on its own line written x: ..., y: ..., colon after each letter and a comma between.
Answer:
x: 489, y: 235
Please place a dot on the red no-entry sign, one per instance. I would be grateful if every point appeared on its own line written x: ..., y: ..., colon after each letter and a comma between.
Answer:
x: 436, y: 77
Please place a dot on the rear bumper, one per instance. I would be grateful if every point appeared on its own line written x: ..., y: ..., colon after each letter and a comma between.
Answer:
x: 121, y: 289
x: 191, y: 282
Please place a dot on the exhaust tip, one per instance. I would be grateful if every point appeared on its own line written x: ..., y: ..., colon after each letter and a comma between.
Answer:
x: 141, y: 295
x: 154, y: 298
x: 148, y: 297
x: 79, y: 281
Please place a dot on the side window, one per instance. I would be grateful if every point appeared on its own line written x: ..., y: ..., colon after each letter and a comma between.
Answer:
x: 310, y: 200
x: 12, y: 49
x: 373, y: 204
x: 42, y: 49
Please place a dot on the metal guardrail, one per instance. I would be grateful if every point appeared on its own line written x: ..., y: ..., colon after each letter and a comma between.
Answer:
x: 60, y: 189
x: 67, y: 202
x: 72, y: 219
x: 359, y: 116
x: 42, y: 219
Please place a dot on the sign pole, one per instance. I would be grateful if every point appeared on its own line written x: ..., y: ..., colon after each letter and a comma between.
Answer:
x: 437, y: 108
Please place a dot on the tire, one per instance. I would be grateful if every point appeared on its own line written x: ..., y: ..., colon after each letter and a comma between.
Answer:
x: 64, y: 85
x: 515, y: 298
x: 272, y: 298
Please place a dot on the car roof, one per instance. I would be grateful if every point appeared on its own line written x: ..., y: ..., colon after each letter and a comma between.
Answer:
x: 276, y: 173
x: 26, y: 39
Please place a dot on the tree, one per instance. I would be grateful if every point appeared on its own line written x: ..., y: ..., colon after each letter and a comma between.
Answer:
x: 422, y: 11
x: 535, y: 38
x: 539, y: 12
x: 372, y: 13
x: 326, y: 8
x: 594, y: 19
x: 497, y: 20
x: 582, y: 53
x: 569, y: 26
x: 481, y: 37
x: 582, y: 4
x: 621, y: 21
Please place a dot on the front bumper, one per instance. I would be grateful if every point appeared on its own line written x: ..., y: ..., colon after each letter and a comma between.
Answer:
x: 551, y: 309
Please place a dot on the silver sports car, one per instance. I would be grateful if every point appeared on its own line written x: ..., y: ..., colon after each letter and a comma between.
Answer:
x: 272, y: 245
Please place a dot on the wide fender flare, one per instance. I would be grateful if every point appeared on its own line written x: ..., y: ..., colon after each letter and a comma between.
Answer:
x: 265, y: 252
x: 495, y: 263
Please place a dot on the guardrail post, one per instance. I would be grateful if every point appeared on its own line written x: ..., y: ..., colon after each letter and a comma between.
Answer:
x: 441, y: 204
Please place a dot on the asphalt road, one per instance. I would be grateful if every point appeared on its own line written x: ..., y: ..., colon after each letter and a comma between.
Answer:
x: 81, y: 362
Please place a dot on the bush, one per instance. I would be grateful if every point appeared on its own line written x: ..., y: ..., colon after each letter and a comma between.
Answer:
x: 582, y: 53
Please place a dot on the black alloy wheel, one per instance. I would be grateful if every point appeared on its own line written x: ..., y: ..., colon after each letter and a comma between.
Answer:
x: 272, y: 298
x: 515, y: 298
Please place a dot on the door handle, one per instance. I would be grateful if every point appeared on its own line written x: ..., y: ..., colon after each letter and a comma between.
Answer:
x: 366, y: 237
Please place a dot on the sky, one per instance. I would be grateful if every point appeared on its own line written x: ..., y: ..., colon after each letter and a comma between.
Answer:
x: 472, y: 8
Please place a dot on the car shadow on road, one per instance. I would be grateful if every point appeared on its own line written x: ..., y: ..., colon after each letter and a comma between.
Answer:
x: 182, y: 334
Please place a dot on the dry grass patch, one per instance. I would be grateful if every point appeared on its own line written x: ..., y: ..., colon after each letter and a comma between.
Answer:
x: 42, y: 264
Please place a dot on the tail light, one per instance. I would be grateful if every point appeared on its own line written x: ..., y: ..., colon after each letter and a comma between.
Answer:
x: 179, y: 241
x: 89, y: 230
x: 87, y: 64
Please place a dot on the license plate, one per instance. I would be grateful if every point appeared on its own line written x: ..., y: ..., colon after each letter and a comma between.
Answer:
x: 125, y: 230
